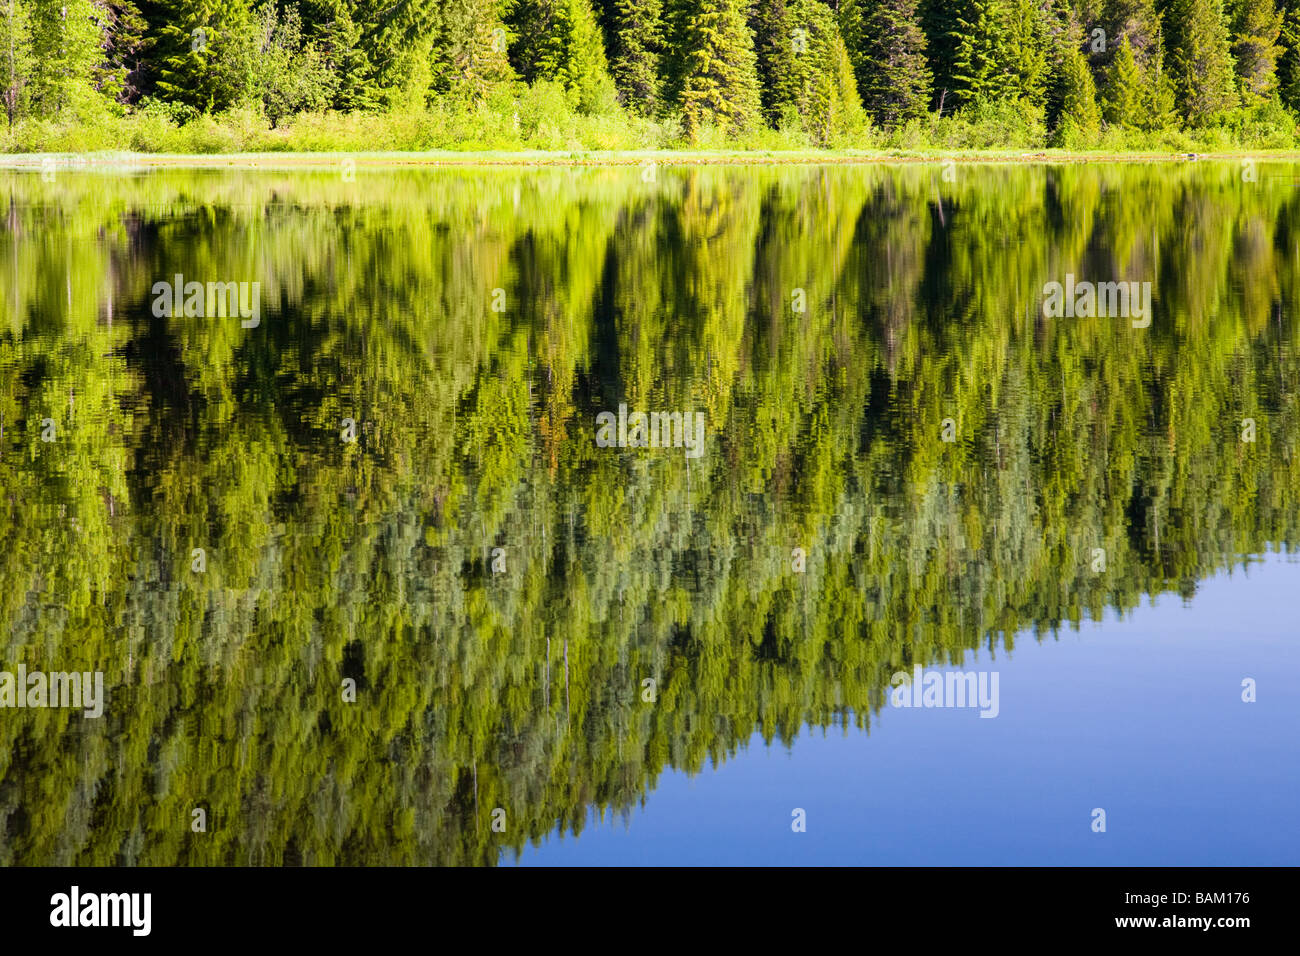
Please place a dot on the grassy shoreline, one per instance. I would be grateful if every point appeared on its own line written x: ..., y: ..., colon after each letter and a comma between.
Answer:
x: 526, y: 158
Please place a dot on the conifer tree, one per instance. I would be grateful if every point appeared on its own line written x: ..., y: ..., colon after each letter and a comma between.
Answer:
x: 982, y: 60
x: 1138, y: 24
x: 719, y: 70
x: 339, y: 32
x: 1256, y: 28
x: 1027, y: 48
x: 1125, y: 93
x: 826, y: 97
x: 636, y: 42
x: 887, y: 48
x: 560, y: 40
x: 1200, y: 59
x: 1288, y: 64
x: 470, y: 45
x: 935, y: 17
x: 1080, y: 119
x: 776, y: 49
x: 123, y: 36
x: 195, y: 45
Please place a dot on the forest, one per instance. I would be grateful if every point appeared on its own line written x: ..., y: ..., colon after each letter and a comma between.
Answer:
x: 235, y: 75
x: 522, y: 689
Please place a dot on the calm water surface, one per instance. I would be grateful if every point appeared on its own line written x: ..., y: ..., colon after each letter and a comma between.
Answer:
x: 366, y: 584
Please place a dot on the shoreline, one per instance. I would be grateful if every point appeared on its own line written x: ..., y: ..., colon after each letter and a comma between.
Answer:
x: 538, y: 159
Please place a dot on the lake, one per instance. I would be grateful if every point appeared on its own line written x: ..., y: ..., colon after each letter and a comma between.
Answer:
x: 878, y: 514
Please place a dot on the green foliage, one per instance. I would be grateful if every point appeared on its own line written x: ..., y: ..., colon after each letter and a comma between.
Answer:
x: 805, y: 73
x: 197, y: 47
x: 981, y: 68
x: 638, y: 40
x: 284, y: 72
x: 66, y: 38
x: 1256, y: 28
x: 1080, y: 120
x: 776, y: 50
x: 1125, y: 96
x: 1201, y: 62
x: 16, y: 64
x: 560, y: 40
x: 521, y: 690
x: 652, y: 72
x: 887, y: 49
x: 720, y: 78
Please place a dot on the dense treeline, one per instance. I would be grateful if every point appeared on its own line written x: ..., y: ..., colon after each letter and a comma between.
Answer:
x: 522, y: 689
x: 650, y: 72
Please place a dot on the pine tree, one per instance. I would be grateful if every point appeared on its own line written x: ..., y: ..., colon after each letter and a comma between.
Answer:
x: 986, y: 47
x: 1256, y: 28
x: 1200, y: 60
x: 888, y: 51
x: 560, y: 40
x: 1080, y: 120
x: 1027, y: 47
x: 719, y: 71
x: 469, y: 51
x: 941, y: 40
x: 1138, y: 24
x: 826, y: 97
x: 1125, y: 93
x: 776, y: 49
x: 1288, y: 64
x: 196, y: 46
x: 335, y: 28
x: 118, y: 75
x: 636, y: 32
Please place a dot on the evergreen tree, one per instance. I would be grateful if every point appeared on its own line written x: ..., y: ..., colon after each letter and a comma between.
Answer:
x: 1080, y: 119
x: 887, y: 49
x: 1027, y: 48
x: 119, y: 74
x: 470, y: 49
x: 1125, y: 94
x: 391, y: 45
x: 196, y: 46
x: 1200, y: 59
x: 777, y: 47
x: 1256, y: 28
x: 560, y: 40
x: 719, y: 71
x: 335, y: 28
x: 1288, y: 64
x: 987, y: 38
x: 1138, y: 24
x: 636, y: 41
x: 826, y: 97
x: 941, y: 40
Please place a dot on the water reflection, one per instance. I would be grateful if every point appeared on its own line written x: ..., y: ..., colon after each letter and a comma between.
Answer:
x: 393, y: 479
